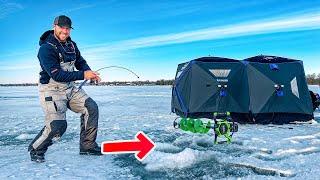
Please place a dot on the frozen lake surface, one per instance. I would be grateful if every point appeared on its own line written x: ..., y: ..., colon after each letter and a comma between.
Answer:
x: 257, y: 151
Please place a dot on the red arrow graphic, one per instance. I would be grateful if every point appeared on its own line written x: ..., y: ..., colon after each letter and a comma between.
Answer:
x: 142, y: 146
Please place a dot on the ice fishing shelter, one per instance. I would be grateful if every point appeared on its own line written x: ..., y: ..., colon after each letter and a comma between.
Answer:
x: 210, y: 84
x: 278, y: 90
x: 260, y: 89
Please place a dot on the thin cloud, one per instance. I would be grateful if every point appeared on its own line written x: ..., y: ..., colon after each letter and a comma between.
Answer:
x: 167, y: 9
x: 20, y: 67
x: 19, y: 53
x: 7, y: 8
x: 294, y: 23
x: 80, y: 7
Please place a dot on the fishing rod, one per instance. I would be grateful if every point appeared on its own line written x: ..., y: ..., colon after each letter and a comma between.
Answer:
x: 107, y: 67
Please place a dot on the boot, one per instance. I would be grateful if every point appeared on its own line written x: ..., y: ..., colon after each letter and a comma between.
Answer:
x: 94, y: 151
x: 37, y: 157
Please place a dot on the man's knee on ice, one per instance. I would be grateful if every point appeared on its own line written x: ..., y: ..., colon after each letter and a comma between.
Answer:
x: 58, y: 127
x: 91, y: 106
x: 93, y: 111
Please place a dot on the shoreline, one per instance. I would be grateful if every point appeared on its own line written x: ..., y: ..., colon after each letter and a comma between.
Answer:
x: 114, y: 83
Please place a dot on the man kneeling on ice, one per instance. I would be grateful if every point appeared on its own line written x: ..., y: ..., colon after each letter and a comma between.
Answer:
x: 59, y: 56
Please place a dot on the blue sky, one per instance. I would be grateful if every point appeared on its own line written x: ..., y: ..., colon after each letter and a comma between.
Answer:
x: 153, y: 37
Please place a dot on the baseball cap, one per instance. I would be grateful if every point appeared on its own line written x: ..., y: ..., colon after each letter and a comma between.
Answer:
x: 63, y: 21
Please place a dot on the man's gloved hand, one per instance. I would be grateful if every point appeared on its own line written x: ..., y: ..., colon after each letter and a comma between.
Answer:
x: 96, y: 80
x: 92, y: 75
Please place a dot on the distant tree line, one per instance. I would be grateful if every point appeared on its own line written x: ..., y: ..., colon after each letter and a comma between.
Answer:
x: 136, y: 83
x: 164, y: 82
x: 114, y: 83
x: 313, y: 79
x: 21, y: 84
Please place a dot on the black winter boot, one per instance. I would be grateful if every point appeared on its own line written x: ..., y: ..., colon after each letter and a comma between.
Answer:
x: 94, y: 151
x: 37, y: 157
